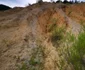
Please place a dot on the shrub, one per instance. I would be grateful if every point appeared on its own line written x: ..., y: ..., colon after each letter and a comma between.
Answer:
x: 76, y: 53
x: 57, y: 33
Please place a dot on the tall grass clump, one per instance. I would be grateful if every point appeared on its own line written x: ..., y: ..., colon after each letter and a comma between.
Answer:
x: 57, y: 33
x: 77, y: 52
x: 37, y: 60
x: 74, y: 52
x: 63, y: 51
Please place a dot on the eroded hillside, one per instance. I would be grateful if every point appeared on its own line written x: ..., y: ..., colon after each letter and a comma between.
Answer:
x: 27, y: 39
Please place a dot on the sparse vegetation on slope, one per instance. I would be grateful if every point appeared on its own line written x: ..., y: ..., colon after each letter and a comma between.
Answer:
x: 77, y: 53
x: 43, y: 36
x: 36, y: 61
x: 57, y: 33
x: 73, y: 53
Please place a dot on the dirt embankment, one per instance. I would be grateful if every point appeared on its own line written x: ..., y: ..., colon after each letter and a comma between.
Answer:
x: 25, y: 28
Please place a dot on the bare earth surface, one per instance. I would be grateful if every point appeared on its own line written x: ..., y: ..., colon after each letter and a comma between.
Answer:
x: 22, y: 29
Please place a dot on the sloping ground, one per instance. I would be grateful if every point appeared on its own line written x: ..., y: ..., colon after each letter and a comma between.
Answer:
x: 25, y: 29
x: 76, y: 12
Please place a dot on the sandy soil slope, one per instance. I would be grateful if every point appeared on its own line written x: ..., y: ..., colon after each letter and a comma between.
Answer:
x: 21, y: 30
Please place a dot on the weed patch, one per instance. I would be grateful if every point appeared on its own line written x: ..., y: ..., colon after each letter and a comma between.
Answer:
x: 76, y: 53
x: 36, y: 61
x: 57, y: 33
